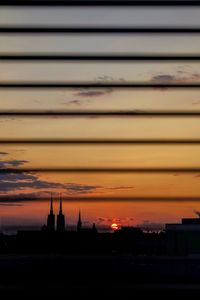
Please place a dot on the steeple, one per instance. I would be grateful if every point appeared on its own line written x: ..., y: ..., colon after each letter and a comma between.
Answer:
x: 51, y: 205
x: 79, y: 223
x: 60, y: 218
x: 51, y: 217
x: 60, y: 211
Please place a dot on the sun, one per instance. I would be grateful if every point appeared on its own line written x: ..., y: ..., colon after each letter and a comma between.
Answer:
x: 114, y: 226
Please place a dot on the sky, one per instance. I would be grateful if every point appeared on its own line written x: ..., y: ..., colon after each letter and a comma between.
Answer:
x: 19, y: 193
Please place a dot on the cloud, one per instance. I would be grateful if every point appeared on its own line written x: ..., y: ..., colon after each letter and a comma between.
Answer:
x: 4, y: 153
x: 73, y: 102
x: 11, y: 181
x: 164, y: 78
x: 120, y: 221
x: 90, y: 93
x: 97, y: 92
x: 11, y: 204
x: 12, y: 163
x: 196, y: 102
x: 121, y: 187
x: 182, y: 74
x: 80, y: 188
x: 23, y: 197
x: 104, y: 221
x: 106, y: 78
x: 20, y: 182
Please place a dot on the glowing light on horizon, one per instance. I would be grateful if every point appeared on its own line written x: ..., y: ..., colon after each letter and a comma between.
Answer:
x: 114, y: 226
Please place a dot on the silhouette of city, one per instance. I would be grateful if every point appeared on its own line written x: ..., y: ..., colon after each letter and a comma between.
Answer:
x: 58, y: 256
x: 55, y: 236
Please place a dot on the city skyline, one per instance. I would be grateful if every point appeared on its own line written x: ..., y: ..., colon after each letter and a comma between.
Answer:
x: 151, y: 217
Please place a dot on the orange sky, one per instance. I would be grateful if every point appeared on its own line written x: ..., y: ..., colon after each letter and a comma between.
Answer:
x: 110, y: 184
x: 149, y: 214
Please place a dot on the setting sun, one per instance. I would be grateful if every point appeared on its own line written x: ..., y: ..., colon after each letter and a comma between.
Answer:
x: 114, y: 226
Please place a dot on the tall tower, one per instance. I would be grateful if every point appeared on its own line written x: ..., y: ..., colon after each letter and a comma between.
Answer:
x: 51, y: 217
x: 60, y: 218
x: 79, y: 223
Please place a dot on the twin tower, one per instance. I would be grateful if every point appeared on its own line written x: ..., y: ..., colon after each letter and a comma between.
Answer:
x: 60, y: 226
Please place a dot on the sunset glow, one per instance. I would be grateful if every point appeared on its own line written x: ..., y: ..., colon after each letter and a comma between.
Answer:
x: 27, y: 190
x: 114, y: 226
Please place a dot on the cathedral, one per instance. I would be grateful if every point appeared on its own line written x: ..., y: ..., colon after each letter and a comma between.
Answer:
x: 59, y: 225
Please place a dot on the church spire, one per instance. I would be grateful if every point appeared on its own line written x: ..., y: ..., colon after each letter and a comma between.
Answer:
x: 60, y: 218
x: 51, y: 205
x: 79, y: 223
x: 51, y: 217
x: 60, y: 211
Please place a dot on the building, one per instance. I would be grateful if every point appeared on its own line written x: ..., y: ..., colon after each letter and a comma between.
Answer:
x: 60, y: 218
x: 183, y: 238
x: 51, y: 217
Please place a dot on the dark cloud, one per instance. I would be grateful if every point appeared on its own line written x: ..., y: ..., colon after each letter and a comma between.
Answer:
x: 11, y: 204
x: 12, y: 182
x: 85, y: 93
x: 88, y: 93
x: 98, y: 92
x: 12, y: 177
x: 73, y: 102
x: 182, y: 75
x: 22, y: 197
x: 80, y: 188
x: 121, y: 187
x: 12, y: 163
x: 4, y: 153
x: 18, y: 181
x: 164, y: 78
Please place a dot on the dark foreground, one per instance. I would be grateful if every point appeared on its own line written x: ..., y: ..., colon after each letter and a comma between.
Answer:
x: 93, y: 276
